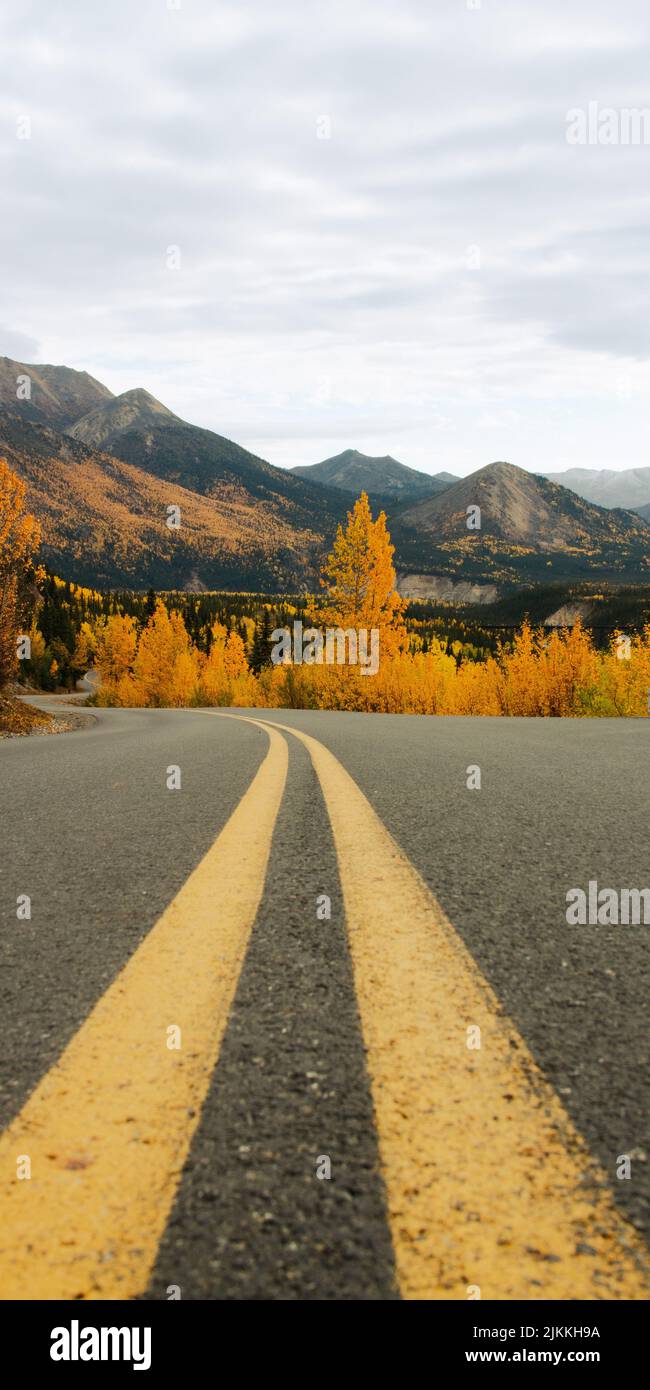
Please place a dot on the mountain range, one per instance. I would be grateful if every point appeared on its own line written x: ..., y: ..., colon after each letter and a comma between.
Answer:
x: 530, y: 529
x: 608, y: 487
x: 104, y: 471
x: 384, y: 479
x: 102, y: 483
x: 389, y: 482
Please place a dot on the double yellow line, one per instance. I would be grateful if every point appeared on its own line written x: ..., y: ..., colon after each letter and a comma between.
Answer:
x: 490, y: 1190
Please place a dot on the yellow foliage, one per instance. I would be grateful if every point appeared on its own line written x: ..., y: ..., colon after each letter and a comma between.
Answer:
x: 358, y: 580
x: 20, y: 535
x: 224, y: 675
x: 85, y: 647
x: 544, y: 672
x: 115, y: 647
x: 165, y: 668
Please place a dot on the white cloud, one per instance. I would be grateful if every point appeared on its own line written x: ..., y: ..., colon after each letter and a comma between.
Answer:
x: 325, y: 295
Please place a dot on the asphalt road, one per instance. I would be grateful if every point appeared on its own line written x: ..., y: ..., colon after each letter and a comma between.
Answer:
x: 91, y: 832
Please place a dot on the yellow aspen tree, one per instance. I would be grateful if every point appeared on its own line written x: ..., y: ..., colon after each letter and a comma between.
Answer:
x: 626, y: 675
x: 163, y: 640
x: 20, y: 536
x: 183, y: 677
x: 213, y: 679
x: 115, y: 644
x: 85, y: 647
x: 522, y: 694
x: 358, y: 581
x: 235, y: 657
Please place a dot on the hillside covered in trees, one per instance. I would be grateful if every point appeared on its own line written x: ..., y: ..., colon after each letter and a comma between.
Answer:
x: 179, y: 649
x: 128, y: 495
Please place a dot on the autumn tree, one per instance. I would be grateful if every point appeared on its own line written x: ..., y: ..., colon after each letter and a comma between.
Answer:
x: 19, y: 537
x: 165, y: 669
x: 625, y: 676
x: 85, y: 650
x: 115, y: 646
x: 225, y: 676
x: 358, y: 580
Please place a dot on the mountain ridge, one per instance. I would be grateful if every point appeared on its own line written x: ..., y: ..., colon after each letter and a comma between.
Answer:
x: 57, y: 396
x: 103, y: 483
x: 112, y: 417
x: 104, y: 522
x: 607, y: 487
x: 528, y: 524
x: 140, y: 430
x: 379, y: 476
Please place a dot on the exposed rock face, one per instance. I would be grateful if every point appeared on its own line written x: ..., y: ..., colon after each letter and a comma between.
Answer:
x: 569, y: 614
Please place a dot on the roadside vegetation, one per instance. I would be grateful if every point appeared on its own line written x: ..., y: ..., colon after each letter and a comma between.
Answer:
x: 19, y: 539
x: 178, y: 649
x: 539, y: 672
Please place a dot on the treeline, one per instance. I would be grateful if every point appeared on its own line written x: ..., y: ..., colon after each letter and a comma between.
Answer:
x: 216, y: 649
x: 67, y: 616
x: 489, y: 626
x: 540, y: 674
x: 64, y: 610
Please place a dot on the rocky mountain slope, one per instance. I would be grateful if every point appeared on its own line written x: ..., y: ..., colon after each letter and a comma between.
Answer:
x: 138, y: 429
x: 528, y: 525
x: 383, y: 477
x: 57, y: 395
x: 104, y: 520
x: 103, y: 472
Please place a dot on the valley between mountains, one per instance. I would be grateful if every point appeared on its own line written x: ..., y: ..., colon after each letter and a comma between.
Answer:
x: 103, y: 472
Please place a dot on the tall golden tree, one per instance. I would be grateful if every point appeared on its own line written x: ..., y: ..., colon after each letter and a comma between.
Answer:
x: 116, y: 644
x: 358, y: 580
x: 20, y: 535
x: 165, y: 668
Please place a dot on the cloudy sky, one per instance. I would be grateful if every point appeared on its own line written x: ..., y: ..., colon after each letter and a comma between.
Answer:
x: 384, y: 239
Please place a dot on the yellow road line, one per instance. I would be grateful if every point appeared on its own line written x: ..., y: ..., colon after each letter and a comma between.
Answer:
x: 108, y: 1128
x: 488, y: 1182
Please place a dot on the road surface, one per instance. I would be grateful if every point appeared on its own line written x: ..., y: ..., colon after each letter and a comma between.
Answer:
x: 312, y: 1024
